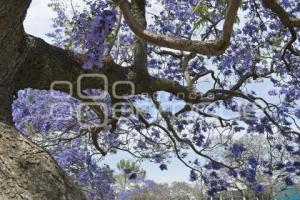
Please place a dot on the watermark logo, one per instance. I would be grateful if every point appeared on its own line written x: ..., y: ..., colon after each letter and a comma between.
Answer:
x: 121, y: 91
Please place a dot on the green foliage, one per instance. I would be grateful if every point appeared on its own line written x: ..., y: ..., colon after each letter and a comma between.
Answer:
x: 201, y: 9
x: 127, y: 164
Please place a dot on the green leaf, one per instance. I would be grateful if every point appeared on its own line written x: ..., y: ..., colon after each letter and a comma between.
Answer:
x: 201, y: 8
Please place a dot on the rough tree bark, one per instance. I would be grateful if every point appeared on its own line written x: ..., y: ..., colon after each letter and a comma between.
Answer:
x: 26, y: 171
x: 29, y: 172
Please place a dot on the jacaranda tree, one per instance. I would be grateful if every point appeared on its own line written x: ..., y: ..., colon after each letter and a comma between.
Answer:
x: 157, y: 79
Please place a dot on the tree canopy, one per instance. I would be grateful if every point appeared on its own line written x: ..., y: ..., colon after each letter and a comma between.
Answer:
x: 160, y: 79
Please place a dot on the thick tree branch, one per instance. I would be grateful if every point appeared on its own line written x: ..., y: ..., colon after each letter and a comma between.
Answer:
x: 46, y: 63
x: 140, y: 46
x: 214, y: 47
x: 284, y: 17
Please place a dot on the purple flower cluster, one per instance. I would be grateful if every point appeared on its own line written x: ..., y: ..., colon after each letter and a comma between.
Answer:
x: 91, y: 31
x: 237, y: 150
x: 193, y: 175
x: 78, y: 162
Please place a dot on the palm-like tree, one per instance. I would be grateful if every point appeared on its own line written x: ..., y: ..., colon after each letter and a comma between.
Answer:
x: 129, y: 175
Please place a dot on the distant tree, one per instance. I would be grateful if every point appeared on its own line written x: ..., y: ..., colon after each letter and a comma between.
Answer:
x: 259, y: 158
x: 129, y: 175
x: 149, y: 190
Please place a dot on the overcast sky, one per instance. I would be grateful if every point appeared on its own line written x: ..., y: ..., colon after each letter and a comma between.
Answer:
x: 38, y: 19
x: 38, y: 23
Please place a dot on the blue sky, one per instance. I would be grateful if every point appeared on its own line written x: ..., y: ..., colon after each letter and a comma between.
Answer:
x: 38, y: 23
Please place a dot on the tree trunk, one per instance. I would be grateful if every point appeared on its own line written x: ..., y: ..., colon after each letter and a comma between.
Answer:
x: 12, y: 51
x: 26, y: 171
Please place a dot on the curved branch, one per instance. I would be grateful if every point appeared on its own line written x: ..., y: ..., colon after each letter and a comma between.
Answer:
x: 284, y: 17
x: 212, y: 47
